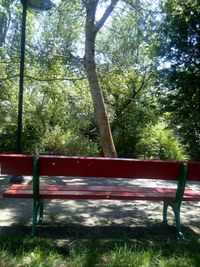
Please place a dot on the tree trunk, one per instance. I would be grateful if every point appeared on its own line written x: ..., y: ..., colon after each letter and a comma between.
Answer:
x: 4, y: 22
x: 97, y: 96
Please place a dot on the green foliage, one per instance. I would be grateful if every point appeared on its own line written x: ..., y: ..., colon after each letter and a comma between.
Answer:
x: 158, y: 142
x: 132, y: 105
x: 179, y: 43
x: 135, y: 113
x: 58, y: 142
x: 124, y: 43
x: 58, y: 112
x: 7, y: 138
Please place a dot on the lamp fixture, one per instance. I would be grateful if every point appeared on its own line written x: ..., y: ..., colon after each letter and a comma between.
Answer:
x: 38, y: 5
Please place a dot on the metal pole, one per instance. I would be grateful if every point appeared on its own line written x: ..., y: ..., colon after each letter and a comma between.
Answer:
x: 20, y: 179
x: 39, y: 5
x: 21, y: 78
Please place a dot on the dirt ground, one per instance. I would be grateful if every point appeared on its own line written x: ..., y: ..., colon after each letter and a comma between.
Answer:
x: 98, y: 213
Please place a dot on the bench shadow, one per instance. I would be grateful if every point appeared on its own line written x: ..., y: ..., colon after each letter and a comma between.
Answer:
x: 99, y: 241
x: 157, y: 232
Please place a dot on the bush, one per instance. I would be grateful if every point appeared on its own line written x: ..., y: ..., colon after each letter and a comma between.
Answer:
x: 158, y: 142
x: 8, y: 138
x: 58, y: 142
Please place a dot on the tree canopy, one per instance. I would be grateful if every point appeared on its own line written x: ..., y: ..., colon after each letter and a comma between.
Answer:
x: 103, y: 77
x: 179, y: 47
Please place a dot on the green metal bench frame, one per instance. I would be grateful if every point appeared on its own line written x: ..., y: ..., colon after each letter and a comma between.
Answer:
x: 176, y: 205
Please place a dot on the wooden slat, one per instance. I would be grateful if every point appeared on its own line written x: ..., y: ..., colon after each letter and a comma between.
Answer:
x: 16, y: 164
x: 191, y: 195
x: 194, y: 171
x: 91, y: 167
x: 104, y: 195
x: 18, y: 194
x: 111, y: 168
x: 88, y: 195
x: 93, y: 188
x: 100, y: 192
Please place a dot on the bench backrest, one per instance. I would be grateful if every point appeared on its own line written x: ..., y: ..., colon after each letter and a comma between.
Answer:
x: 194, y: 171
x: 107, y: 167
x: 11, y: 164
x: 94, y: 167
x: 15, y: 164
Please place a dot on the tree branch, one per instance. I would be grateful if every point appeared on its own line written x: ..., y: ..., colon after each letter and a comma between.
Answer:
x: 9, y: 78
x: 45, y: 79
x: 54, y: 79
x: 106, y: 14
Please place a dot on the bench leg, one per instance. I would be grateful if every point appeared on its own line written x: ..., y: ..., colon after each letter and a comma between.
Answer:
x: 176, y: 209
x: 38, y: 206
x: 34, y: 218
x: 41, y: 208
x: 165, y: 206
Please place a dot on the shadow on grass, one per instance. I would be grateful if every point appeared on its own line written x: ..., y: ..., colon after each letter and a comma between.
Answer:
x: 77, y: 245
x: 156, y: 231
x: 104, y: 246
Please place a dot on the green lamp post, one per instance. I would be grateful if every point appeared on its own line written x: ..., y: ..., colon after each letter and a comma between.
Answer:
x: 37, y: 5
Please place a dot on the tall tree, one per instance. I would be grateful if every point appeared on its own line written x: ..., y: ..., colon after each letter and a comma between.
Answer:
x: 5, y: 19
x: 179, y: 38
x: 91, y: 30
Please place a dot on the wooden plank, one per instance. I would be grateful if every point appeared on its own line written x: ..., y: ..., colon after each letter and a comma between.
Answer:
x: 103, y: 195
x: 88, y: 195
x: 91, y: 167
x: 19, y: 187
x: 15, y: 164
x: 9, y: 193
x: 191, y: 195
x: 93, y: 188
x: 107, y: 167
x: 100, y: 192
x: 194, y: 171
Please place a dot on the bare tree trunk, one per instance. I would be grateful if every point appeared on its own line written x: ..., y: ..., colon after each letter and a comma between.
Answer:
x: 4, y: 22
x: 91, y: 30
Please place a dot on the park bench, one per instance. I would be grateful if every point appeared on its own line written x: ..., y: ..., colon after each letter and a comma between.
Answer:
x: 99, y: 168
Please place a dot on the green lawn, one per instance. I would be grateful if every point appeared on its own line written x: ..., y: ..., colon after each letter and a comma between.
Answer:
x: 103, y: 247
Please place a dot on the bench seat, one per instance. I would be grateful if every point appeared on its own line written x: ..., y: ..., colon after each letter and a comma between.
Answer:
x: 100, y: 192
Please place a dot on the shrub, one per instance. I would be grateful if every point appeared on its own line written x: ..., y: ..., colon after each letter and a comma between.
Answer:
x: 158, y: 142
x: 56, y: 141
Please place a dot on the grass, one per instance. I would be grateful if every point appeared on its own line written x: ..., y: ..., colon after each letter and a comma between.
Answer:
x: 102, y: 248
